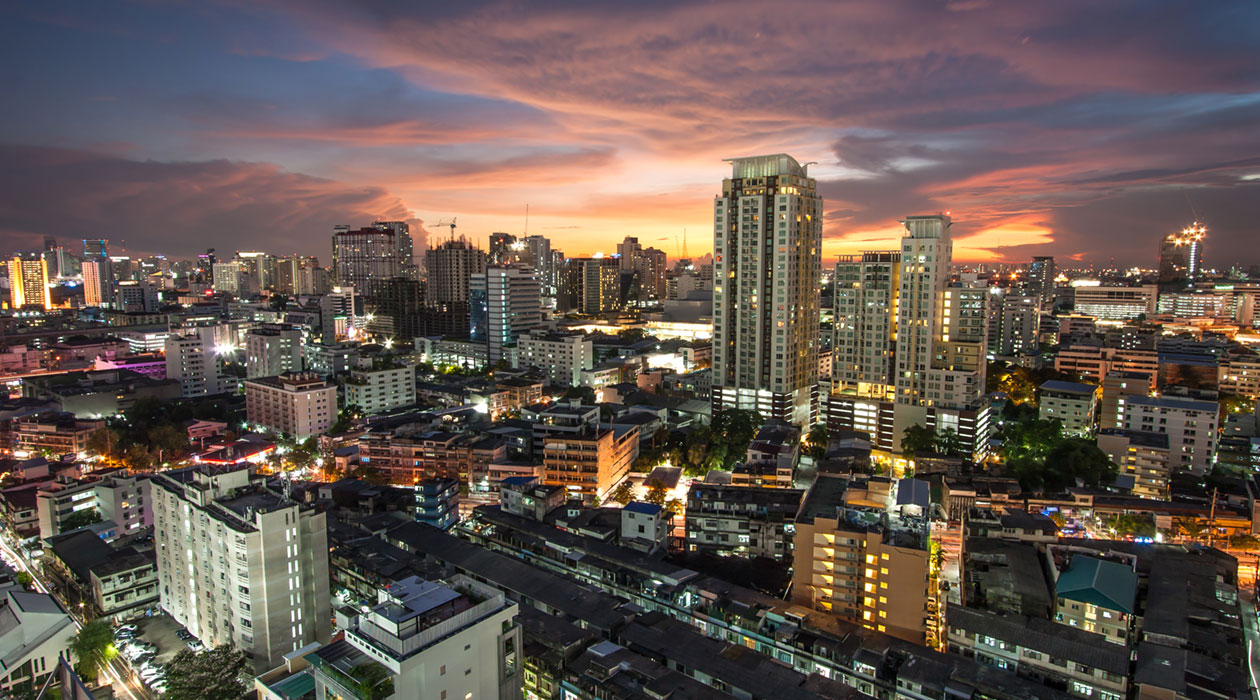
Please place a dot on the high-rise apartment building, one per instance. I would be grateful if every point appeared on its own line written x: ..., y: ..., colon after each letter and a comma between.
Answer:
x: 767, y: 253
x: 628, y: 253
x: 273, y: 349
x: 258, y: 270
x: 538, y: 254
x: 451, y: 266
x: 28, y: 283
x: 133, y: 296
x: 1014, y: 321
x: 367, y: 257
x: 1191, y: 427
x: 229, y: 278
x: 650, y: 267
x: 1181, y: 255
x: 562, y: 356
x: 504, y: 303
x: 96, y: 249
x: 909, y: 347
x: 590, y: 285
x: 97, y: 282
x: 1041, y: 274
x: 191, y: 358
x: 379, y: 384
x: 239, y: 563
x: 300, y: 404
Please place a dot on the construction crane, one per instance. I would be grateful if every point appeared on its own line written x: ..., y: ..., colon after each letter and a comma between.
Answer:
x: 448, y: 222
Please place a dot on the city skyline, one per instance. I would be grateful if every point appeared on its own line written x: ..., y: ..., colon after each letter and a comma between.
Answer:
x: 1037, y: 130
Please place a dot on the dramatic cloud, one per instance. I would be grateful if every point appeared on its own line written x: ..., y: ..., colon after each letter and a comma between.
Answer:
x: 1042, y: 127
x: 177, y: 208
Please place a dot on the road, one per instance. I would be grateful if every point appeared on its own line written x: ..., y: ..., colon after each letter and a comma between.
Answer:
x: 116, y: 671
x: 1251, y: 630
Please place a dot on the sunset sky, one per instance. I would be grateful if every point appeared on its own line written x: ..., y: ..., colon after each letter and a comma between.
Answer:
x: 1084, y: 129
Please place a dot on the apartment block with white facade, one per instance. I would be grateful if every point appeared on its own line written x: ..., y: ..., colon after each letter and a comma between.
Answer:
x: 191, y: 358
x: 273, y: 349
x: 1191, y: 427
x: 300, y: 404
x: 240, y: 563
x: 450, y: 640
x: 378, y: 384
x: 562, y: 356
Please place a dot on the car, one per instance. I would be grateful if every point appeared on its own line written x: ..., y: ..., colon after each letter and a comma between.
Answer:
x: 143, y: 659
x: 159, y: 686
x: 127, y: 628
x: 124, y: 636
x: 152, y: 673
x: 196, y: 645
x: 184, y: 635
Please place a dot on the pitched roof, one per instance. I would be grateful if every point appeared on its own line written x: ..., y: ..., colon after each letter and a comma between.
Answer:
x: 1098, y: 582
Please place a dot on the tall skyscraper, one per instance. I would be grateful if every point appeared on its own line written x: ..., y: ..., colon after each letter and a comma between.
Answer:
x: 98, y: 277
x: 95, y: 249
x: 538, y: 255
x: 504, y: 249
x: 650, y: 266
x: 1041, y: 274
x: 229, y: 278
x: 365, y: 258
x: 767, y: 252
x: 589, y: 286
x: 909, y: 347
x: 504, y: 303
x: 28, y: 282
x: 451, y: 266
x: 258, y: 270
x: 1181, y: 255
x: 629, y: 252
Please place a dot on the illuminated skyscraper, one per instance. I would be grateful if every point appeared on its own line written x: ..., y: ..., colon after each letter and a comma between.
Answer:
x: 366, y: 258
x: 1181, y: 255
x: 28, y: 282
x: 504, y: 304
x: 1041, y: 275
x: 451, y: 266
x: 767, y: 257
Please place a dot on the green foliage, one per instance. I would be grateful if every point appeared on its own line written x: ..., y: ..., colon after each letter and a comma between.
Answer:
x: 583, y: 393
x: 1191, y: 527
x: 717, y: 446
x: 374, y: 681
x: 151, y: 431
x: 623, y: 493
x: 25, y: 580
x: 656, y: 493
x: 93, y: 648
x: 1246, y: 543
x: 948, y: 443
x: 1130, y: 525
x: 676, y: 507
x: 816, y: 442
x: 345, y: 419
x: 1232, y: 403
x: 918, y: 439
x: 632, y: 335
x: 214, y: 674
x: 1051, y: 463
x: 81, y: 518
x: 1020, y: 383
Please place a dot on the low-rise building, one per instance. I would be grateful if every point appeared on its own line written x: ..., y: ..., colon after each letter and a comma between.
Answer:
x: 562, y: 356
x: 35, y: 631
x: 1143, y: 457
x: 1191, y: 427
x: 300, y: 404
x: 437, y: 502
x: 380, y: 384
x: 590, y: 463
x: 52, y: 433
x: 645, y: 527
x: 742, y: 521
x: 433, y: 640
x: 1097, y: 595
x: 1071, y: 403
x: 100, y: 393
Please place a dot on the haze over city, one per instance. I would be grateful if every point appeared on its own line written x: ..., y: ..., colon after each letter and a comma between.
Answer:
x: 1082, y: 130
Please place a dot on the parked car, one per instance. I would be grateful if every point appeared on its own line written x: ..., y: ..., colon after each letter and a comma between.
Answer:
x: 127, y: 628
x: 196, y: 645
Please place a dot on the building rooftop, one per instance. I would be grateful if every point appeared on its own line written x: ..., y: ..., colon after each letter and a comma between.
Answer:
x: 1173, y: 402
x: 1098, y: 582
x: 1063, y: 387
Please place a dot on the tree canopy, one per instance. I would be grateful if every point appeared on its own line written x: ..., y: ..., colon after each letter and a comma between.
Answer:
x: 93, y: 648
x: 214, y: 674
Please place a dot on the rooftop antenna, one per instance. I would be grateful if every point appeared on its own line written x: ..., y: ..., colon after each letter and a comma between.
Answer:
x: 1190, y: 204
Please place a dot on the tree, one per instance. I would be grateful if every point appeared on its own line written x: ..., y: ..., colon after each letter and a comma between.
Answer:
x: 104, y: 442
x: 676, y: 507
x: 214, y: 674
x: 1191, y: 527
x: 80, y: 518
x: 373, y: 680
x: 656, y: 492
x: 816, y: 442
x: 278, y: 302
x: 1078, y: 460
x: 623, y: 493
x: 138, y: 457
x: 93, y: 648
x: 947, y: 442
x: 25, y: 580
x: 1244, y: 542
x: 918, y: 439
x: 632, y: 335
x: 583, y: 393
